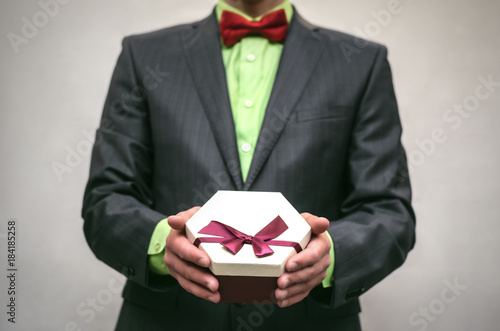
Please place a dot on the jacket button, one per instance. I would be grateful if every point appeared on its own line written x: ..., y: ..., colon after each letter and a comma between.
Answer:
x: 129, y: 272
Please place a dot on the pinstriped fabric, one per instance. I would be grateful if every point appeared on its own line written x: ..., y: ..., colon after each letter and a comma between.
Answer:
x: 330, y: 142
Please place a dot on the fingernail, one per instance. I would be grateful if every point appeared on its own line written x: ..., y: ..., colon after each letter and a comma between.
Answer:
x: 293, y: 266
x: 283, y: 295
x: 213, y: 298
x: 286, y: 283
x: 202, y: 262
x: 284, y: 303
x: 210, y: 287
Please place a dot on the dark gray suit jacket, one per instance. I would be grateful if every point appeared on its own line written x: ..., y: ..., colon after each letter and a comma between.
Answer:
x: 330, y: 142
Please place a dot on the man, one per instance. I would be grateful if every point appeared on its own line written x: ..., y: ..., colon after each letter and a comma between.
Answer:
x: 251, y: 98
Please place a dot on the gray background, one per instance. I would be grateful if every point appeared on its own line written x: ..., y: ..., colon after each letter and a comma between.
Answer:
x: 53, y: 88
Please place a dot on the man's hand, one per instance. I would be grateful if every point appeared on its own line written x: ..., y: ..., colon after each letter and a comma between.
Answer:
x: 186, y: 262
x: 308, y: 268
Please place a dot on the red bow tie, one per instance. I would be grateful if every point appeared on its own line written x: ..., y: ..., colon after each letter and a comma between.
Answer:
x: 234, y: 27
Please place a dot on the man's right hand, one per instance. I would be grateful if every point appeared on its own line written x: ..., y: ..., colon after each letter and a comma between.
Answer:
x: 186, y: 262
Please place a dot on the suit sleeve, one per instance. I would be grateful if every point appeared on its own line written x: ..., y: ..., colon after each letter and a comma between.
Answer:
x: 117, y: 208
x: 377, y: 227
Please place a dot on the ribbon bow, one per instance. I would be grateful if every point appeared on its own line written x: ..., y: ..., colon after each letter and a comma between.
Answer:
x: 234, y: 27
x: 234, y: 240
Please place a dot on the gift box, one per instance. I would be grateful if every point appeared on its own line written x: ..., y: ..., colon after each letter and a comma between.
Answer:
x: 249, y: 236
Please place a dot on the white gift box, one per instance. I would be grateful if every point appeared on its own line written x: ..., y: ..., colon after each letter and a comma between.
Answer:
x: 243, y: 276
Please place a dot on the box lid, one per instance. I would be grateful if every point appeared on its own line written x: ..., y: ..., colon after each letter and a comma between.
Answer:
x: 249, y: 212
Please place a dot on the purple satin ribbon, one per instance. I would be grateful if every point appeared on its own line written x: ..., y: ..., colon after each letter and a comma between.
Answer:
x: 234, y: 240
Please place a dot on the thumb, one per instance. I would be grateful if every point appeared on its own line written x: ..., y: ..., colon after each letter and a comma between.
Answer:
x: 178, y: 222
x: 318, y: 224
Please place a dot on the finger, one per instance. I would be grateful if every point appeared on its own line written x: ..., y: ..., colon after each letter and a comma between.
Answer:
x: 297, y: 288
x: 292, y: 300
x: 187, y: 214
x: 318, y: 270
x: 196, y: 289
x: 288, y: 301
x: 318, y: 224
x: 178, y: 221
x: 317, y: 248
x: 179, y: 245
x: 191, y: 272
x: 304, y: 275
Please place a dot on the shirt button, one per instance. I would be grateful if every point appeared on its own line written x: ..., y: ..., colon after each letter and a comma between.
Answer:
x: 250, y: 57
x: 246, y: 147
x: 249, y: 103
x: 157, y: 248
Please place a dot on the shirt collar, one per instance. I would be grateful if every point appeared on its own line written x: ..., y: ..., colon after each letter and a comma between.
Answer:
x: 222, y: 5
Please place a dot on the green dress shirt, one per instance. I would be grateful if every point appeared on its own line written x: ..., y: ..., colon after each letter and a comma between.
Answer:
x: 251, y: 66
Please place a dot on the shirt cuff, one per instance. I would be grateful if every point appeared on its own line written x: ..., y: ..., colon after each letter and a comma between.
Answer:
x: 156, y: 250
x: 328, y: 281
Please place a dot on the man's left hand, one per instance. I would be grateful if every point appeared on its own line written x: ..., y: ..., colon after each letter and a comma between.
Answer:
x: 308, y: 268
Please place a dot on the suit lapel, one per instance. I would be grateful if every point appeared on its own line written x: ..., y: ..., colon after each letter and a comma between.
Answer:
x: 301, y: 52
x: 204, y: 57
